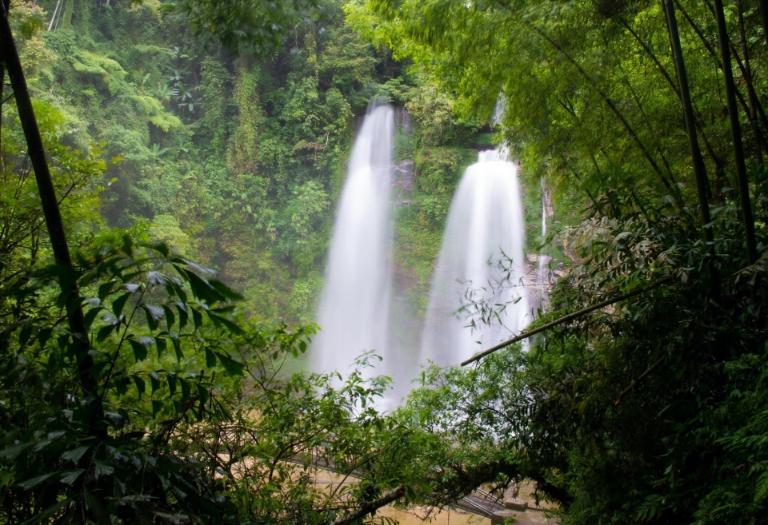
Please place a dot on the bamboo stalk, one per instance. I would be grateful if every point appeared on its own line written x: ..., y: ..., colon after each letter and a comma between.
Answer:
x: 669, y: 185
x: 738, y: 147
x: 566, y: 319
x: 51, y: 211
x: 699, y: 169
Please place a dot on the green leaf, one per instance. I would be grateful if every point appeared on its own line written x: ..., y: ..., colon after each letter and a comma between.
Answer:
x: 104, y: 290
x: 225, y: 291
x: 46, y: 514
x: 170, y: 317
x: 210, y: 358
x: 75, y: 454
x: 140, y: 351
x: 119, y: 303
x: 34, y: 482
x: 177, y: 346
x: 69, y: 477
x: 232, y: 366
x: 184, y: 388
x: 172, y: 383
x: 161, y: 346
x: 183, y: 315
x: 201, y: 289
x: 91, y: 315
x: 104, y: 332
x: 102, y: 469
x: 12, y: 452
x: 204, y: 394
x: 761, y: 489
x: 140, y: 384
x: 173, y: 519
x: 153, y: 314
x: 221, y: 320
x: 197, y: 318
x: 121, y: 383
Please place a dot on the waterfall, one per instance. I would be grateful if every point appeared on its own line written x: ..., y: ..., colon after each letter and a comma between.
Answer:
x: 478, y: 296
x: 353, y: 313
x: 542, y: 277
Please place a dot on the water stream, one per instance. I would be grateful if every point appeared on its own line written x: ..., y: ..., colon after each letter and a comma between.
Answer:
x: 354, y: 310
x: 478, y: 296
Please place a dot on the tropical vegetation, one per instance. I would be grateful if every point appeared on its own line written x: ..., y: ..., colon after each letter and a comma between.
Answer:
x: 138, y: 385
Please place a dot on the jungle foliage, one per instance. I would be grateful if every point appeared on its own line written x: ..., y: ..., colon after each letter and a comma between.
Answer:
x: 194, y: 125
x: 227, y: 135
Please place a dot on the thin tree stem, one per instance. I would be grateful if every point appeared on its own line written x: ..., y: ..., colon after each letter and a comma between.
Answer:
x: 372, y: 506
x: 52, y: 215
x: 674, y: 191
x: 702, y: 184
x: 566, y: 319
x: 756, y: 109
x: 733, y: 113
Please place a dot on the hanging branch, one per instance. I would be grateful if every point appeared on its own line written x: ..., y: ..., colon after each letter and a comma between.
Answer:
x: 372, y: 506
x: 567, y: 319
x: 51, y: 210
x: 733, y: 113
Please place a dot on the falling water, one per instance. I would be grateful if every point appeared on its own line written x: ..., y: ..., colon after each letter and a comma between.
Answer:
x: 477, y: 297
x: 354, y: 307
x: 542, y: 277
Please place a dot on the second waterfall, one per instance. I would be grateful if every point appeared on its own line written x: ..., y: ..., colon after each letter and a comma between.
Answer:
x: 478, y: 296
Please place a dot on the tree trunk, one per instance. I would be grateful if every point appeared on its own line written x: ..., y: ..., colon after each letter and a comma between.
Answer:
x: 53, y: 221
x: 700, y: 171
x: 733, y: 113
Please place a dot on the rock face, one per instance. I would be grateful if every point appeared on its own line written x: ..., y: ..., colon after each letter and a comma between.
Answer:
x: 537, y: 281
x: 403, y: 181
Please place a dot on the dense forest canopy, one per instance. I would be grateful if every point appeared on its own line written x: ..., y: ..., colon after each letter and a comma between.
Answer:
x: 218, y: 132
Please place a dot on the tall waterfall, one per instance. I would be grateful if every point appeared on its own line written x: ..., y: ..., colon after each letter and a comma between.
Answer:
x: 354, y: 307
x: 478, y: 297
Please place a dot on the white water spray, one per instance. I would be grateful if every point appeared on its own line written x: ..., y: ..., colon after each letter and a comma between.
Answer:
x: 543, y: 274
x: 478, y: 296
x: 354, y: 307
